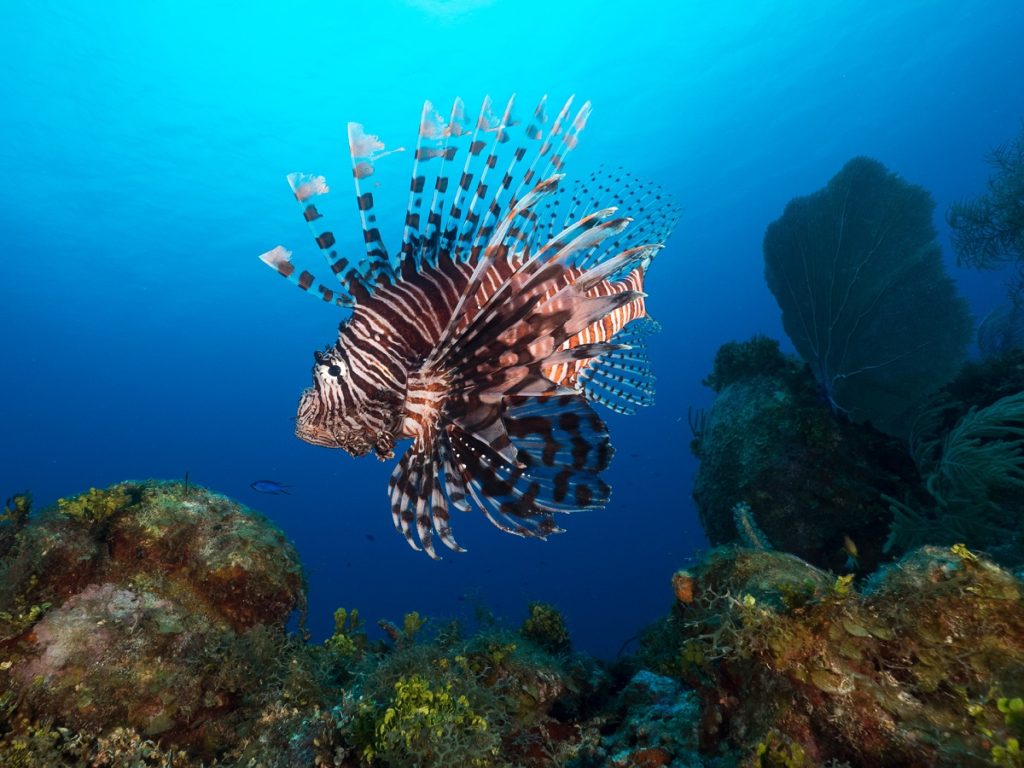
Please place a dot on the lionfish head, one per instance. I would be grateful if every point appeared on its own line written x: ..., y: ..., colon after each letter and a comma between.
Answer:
x: 336, y: 413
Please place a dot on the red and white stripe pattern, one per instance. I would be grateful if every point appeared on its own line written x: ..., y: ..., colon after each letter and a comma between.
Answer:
x: 502, y: 318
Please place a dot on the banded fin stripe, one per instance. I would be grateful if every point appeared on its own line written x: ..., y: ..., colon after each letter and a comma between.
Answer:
x: 513, y: 302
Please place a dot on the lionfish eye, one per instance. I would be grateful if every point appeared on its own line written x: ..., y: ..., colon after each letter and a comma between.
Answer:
x: 334, y: 366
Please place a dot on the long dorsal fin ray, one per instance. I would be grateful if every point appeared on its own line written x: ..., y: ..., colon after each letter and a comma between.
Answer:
x: 532, y: 134
x: 481, y: 272
x: 520, y: 294
x: 521, y: 291
x: 555, y: 145
x: 457, y: 210
x: 279, y: 259
x: 365, y: 150
x: 455, y: 140
x: 310, y: 192
x: 488, y: 154
x: 434, y: 147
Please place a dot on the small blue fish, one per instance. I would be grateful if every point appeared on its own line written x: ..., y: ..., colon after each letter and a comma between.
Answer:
x: 270, y: 486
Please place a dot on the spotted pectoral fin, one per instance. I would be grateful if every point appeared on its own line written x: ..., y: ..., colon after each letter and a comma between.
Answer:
x: 558, y: 448
x: 497, y: 488
x: 621, y: 378
x: 563, y: 446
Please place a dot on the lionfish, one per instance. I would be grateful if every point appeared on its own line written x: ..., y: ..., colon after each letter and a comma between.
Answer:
x: 511, y: 306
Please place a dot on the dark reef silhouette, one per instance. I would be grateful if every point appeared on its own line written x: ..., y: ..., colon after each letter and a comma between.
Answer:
x: 857, y: 271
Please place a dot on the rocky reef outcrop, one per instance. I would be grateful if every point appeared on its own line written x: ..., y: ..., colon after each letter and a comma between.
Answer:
x: 144, y: 625
x: 775, y: 458
x: 923, y: 665
x: 152, y: 607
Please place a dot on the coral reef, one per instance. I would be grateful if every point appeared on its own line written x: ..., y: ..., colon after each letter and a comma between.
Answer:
x: 144, y: 607
x: 15, y: 515
x: 794, y: 667
x: 144, y: 626
x: 804, y: 479
x: 968, y: 444
x: 428, y: 726
x: 656, y: 721
x: 493, y: 699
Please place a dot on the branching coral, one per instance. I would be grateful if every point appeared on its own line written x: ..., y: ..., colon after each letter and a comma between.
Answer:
x: 969, y: 471
x: 983, y: 453
x: 426, y: 726
x: 412, y: 624
x: 349, y: 638
x: 545, y: 627
x: 17, y: 509
x: 988, y: 231
x: 95, y: 505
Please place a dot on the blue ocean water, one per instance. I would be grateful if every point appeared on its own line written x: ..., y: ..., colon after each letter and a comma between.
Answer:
x: 144, y: 148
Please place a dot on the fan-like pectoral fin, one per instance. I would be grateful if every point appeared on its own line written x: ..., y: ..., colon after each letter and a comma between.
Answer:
x: 560, y: 447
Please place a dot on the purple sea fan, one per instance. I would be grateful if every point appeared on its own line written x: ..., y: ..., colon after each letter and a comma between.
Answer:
x: 858, y: 274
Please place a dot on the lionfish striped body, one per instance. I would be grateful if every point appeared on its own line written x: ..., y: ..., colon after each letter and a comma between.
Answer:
x: 509, y: 308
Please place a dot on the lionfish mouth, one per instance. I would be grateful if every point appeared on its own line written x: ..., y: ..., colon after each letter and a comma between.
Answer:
x: 316, y: 436
x: 354, y: 444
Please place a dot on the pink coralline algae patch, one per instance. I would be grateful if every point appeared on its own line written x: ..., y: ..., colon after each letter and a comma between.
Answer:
x: 79, y: 628
x: 108, y: 655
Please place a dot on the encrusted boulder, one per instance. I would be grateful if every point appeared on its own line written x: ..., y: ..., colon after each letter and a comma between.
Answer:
x: 153, y: 606
x: 773, y: 455
x: 924, y: 666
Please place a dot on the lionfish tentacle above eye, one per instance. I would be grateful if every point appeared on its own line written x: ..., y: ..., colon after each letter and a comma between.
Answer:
x: 516, y: 301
